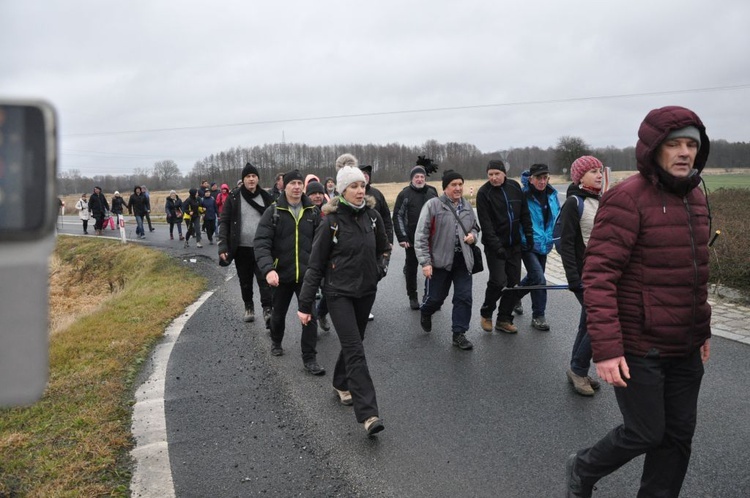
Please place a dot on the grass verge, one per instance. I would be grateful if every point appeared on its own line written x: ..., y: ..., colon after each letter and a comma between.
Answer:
x: 76, y: 440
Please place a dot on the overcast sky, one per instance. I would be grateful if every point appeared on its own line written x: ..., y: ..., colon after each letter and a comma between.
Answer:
x: 492, y: 73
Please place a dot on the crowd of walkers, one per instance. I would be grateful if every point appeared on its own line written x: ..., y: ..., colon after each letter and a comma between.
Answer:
x: 635, y: 257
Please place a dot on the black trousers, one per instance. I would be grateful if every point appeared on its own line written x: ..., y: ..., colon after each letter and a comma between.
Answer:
x: 659, y: 408
x: 210, y: 229
x: 282, y: 296
x: 247, y: 268
x: 411, y: 265
x: 504, y: 272
x: 349, y: 316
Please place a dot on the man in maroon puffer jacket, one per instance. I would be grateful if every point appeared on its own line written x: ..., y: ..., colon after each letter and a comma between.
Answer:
x: 645, y: 289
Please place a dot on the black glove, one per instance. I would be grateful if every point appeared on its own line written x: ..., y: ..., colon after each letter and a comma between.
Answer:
x: 575, y: 287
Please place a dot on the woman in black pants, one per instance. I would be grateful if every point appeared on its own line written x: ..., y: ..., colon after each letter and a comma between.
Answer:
x: 349, y: 250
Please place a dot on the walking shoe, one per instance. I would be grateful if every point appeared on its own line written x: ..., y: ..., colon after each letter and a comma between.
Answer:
x: 324, y: 323
x: 267, y: 316
x: 276, y: 349
x: 414, y: 303
x: 345, y: 397
x: 426, y: 322
x: 313, y: 368
x: 595, y: 385
x: 486, y: 323
x: 187, y: 244
x: 540, y: 323
x: 198, y: 245
x: 580, y: 384
x: 151, y: 229
x: 373, y: 425
x: 171, y: 237
x: 210, y: 242
x: 506, y: 327
x: 518, y: 309
x: 574, y: 488
x: 182, y: 237
x: 249, y: 313
x: 461, y: 342
x: 371, y: 317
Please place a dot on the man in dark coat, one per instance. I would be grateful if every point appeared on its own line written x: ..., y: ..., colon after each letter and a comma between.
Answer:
x: 503, y: 214
x: 98, y: 208
x: 645, y: 284
x: 405, y: 216
x: 283, y: 243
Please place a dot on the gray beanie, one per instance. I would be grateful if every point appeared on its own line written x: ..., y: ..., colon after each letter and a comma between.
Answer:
x: 686, y: 132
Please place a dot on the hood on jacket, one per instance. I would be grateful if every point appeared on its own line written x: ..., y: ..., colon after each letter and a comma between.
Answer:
x: 333, y: 205
x: 225, y: 186
x: 193, y: 192
x: 311, y: 178
x: 136, y: 188
x: 654, y: 130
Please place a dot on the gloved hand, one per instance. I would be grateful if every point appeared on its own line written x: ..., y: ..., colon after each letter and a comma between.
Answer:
x: 575, y: 286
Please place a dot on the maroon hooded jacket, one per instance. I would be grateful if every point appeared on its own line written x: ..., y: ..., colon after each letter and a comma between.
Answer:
x: 646, y: 266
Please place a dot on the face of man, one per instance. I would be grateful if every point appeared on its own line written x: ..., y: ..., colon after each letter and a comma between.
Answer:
x: 330, y: 185
x: 204, y: 184
x: 418, y: 180
x: 293, y: 191
x: 214, y: 187
x: 138, y: 191
x: 592, y: 179
x: 280, y: 182
x: 316, y: 198
x: 539, y: 181
x: 455, y: 190
x: 355, y: 193
x: 496, y: 177
x: 251, y: 182
x: 677, y: 156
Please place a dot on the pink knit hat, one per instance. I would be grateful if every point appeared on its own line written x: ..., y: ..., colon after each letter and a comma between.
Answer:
x: 581, y: 165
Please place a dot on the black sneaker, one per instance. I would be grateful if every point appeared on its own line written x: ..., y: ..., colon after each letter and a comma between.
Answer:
x: 249, y: 315
x: 540, y: 323
x: 276, y: 349
x: 313, y: 368
x: 414, y: 303
x: 461, y: 342
x: 324, y: 323
x: 426, y: 322
x: 574, y: 488
x: 518, y: 308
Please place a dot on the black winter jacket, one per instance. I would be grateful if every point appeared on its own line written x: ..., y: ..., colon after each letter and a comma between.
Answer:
x: 283, y: 243
x: 348, y: 252
x: 572, y: 248
x: 407, y: 208
x: 173, y: 209
x: 230, y: 221
x: 98, y: 205
x: 118, y: 204
x: 503, y: 214
x: 382, y: 208
x: 138, y: 204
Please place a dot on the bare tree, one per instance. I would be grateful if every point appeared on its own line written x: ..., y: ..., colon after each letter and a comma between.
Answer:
x: 568, y: 150
x: 166, y: 174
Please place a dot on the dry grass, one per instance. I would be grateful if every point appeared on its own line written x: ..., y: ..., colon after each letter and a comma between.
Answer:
x: 75, y: 440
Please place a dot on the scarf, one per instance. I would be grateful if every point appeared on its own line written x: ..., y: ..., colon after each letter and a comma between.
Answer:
x: 250, y: 198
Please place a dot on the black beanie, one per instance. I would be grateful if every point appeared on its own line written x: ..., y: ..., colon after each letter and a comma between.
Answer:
x: 449, y: 175
x: 496, y: 164
x: 249, y: 169
x: 292, y: 175
x: 313, y: 187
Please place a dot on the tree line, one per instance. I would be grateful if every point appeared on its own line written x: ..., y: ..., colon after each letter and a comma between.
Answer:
x: 390, y: 162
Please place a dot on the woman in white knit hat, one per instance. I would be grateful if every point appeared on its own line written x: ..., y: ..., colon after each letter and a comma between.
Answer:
x: 350, y: 251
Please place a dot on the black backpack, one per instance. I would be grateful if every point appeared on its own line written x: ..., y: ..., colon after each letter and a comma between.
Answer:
x: 557, y: 230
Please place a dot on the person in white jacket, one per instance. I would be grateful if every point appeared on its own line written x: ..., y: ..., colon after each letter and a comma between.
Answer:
x: 83, y: 212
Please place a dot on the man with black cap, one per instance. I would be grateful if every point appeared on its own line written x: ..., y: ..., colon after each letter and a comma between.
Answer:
x: 239, y: 220
x: 504, y: 217
x: 381, y: 206
x: 544, y: 206
x: 405, y: 216
x: 283, y: 243
x: 645, y: 285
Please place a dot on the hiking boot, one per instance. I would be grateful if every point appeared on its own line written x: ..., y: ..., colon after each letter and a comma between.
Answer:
x: 267, y: 316
x: 313, y: 368
x: 198, y: 245
x: 518, y: 309
x: 373, y: 425
x: 182, y: 237
x: 461, y: 342
x: 540, y: 323
x: 249, y: 313
x: 580, y: 384
x: 414, y: 302
x: 595, y: 385
x: 426, y: 322
x: 506, y: 327
x: 187, y: 244
x: 345, y: 397
x: 324, y: 323
x: 486, y: 323
x: 276, y: 349
x: 574, y: 488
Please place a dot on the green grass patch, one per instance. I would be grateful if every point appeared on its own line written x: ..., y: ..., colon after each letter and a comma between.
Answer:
x: 733, y: 180
x: 76, y: 440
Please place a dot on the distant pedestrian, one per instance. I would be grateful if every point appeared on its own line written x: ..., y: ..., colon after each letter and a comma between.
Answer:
x: 119, y: 205
x: 278, y: 186
x: 192, y: 211
x: 98, y: 207
x: 330, y: 186
x: 446, y: 230
x: 350, y: 252
x: 138, y: 206
x: 147, y: 214
x: 645, y: 286
x: 173, y: 210
x: 82, y: 206
x: 209, y: 216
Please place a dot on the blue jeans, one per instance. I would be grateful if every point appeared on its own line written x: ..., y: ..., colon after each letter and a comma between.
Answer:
x: 437, y: 288
x: 580, y: 360
x: 139, y: 225
x: 535, y: 265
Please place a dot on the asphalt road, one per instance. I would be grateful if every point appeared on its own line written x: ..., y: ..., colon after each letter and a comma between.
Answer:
x: 496, y: 421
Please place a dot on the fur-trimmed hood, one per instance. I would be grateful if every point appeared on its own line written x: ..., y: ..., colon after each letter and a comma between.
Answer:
x: 333, y: 205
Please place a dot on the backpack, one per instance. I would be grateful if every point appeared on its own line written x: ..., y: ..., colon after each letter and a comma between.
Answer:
x: 557, y: 229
